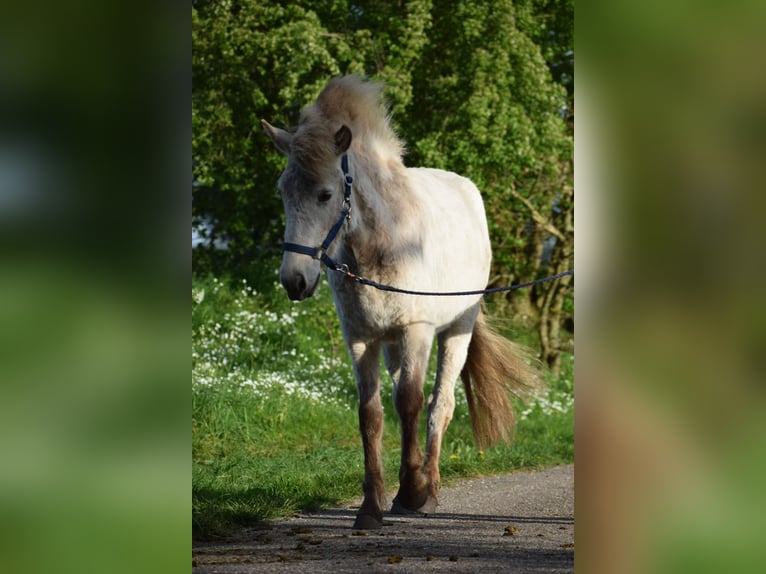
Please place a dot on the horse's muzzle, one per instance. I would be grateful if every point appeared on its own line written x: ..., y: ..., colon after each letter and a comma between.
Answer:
x: 298, y: 286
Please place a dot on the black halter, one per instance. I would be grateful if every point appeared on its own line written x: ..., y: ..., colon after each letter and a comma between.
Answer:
x: 320, y: 253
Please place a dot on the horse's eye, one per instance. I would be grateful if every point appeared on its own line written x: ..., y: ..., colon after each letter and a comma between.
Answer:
x: 324, y: 196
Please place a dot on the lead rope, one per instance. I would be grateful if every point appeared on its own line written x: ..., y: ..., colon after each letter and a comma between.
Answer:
x: 343, y: 269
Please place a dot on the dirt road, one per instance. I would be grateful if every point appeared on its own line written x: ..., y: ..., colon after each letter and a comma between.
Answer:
x: 521, y: 522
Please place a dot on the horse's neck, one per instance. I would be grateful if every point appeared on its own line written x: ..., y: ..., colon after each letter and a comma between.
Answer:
x: 378, y: 210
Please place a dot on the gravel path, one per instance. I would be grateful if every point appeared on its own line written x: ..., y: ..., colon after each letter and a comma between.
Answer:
x: 521, y: 522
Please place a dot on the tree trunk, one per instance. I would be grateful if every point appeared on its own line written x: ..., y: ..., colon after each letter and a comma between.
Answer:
x: 551, y: 302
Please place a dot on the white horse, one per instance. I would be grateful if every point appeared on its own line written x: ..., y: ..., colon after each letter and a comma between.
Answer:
x: 417, y: 228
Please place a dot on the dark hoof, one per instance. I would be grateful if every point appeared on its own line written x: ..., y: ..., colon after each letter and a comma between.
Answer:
x: 367, y: 522
x: 427, y: 508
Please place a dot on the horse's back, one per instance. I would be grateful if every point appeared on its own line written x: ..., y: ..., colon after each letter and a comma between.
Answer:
x: 446, y: 187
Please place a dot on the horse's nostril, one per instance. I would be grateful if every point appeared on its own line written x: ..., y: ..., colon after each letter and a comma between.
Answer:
x: 300, y: 283
x: 295, y: 285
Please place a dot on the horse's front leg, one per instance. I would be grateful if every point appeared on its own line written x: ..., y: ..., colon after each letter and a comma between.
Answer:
x: 366, y: 359
x: 412, y: 358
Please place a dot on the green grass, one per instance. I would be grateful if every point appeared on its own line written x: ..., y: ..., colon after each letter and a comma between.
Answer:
x: 274, y: 423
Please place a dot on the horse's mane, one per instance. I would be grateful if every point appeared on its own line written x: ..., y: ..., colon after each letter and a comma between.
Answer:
x: 349, y: 101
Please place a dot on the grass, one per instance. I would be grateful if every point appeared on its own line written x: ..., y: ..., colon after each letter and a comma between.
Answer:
x: 274, y: 423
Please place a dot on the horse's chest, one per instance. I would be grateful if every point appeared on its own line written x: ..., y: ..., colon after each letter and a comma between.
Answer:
x: 365, y: 313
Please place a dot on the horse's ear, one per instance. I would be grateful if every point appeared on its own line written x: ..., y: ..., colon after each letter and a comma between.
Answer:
x: 342, y: 140
x: 280, y: 137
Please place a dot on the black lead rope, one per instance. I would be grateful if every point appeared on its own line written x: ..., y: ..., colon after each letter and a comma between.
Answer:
x: 344, y: 270
x: 320, y: 253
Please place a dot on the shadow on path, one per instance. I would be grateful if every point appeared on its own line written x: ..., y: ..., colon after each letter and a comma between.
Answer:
x: 521, y: 522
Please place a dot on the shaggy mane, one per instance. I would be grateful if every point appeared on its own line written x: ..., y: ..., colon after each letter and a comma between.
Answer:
x: 349, y: 101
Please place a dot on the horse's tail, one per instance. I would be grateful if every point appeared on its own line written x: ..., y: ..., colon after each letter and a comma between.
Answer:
x: 496, y: 369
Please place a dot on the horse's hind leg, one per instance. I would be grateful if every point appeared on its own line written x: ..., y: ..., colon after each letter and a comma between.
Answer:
x: 410, y: 362
x: 366, y: 366
x: 453, y: 350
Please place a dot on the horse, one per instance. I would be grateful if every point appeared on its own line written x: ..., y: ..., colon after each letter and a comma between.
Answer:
x: 422, y: 228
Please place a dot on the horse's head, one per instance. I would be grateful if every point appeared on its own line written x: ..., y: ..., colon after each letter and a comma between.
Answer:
x: 312, y: 193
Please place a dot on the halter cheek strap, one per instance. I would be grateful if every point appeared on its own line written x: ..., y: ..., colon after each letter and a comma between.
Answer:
x: 320, y: 253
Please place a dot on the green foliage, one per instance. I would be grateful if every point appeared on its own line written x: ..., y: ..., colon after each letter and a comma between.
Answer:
x: 274, y: 410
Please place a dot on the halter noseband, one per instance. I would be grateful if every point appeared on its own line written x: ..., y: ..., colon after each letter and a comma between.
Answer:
x: 320, y: 253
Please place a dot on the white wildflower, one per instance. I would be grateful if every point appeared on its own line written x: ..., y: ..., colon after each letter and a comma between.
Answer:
x: 198, y: 295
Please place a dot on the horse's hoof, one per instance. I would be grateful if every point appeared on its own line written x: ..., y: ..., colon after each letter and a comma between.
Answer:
x: 427, y: 508
x: 367, y: 522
